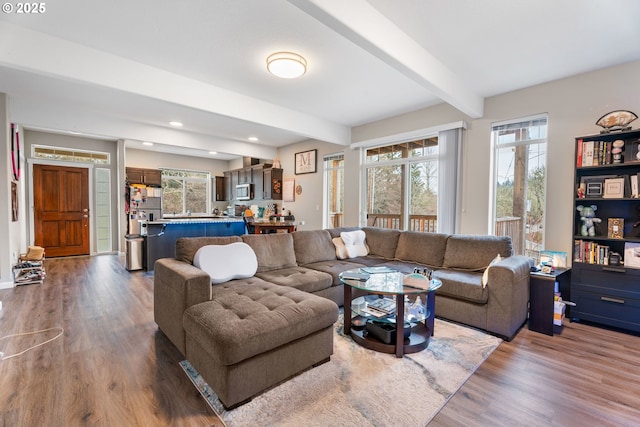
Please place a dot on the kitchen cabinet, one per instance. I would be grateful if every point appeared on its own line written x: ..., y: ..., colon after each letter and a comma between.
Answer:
x: 218, y: 188
x: 267, y: 181
x: 229, y: 186
x: 257, y: 172
x: 151, y: 177
x: 245, y: 175
x: 272, y: 184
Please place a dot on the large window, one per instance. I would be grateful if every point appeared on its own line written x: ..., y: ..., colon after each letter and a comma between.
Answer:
x: 402, y: 185
x: 334, y: 183
x: 185, y: 192
x: 519, y: 158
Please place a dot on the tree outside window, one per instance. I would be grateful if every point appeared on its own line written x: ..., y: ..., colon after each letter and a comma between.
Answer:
x: 185, y: 192
x: 402, y: 185
x: 519, y: 194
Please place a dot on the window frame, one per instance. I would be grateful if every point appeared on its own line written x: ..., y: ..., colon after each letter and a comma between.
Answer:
x: 206, y: 180
x: 327, y: 171
x: 495, y: 147
x: 405, y: 163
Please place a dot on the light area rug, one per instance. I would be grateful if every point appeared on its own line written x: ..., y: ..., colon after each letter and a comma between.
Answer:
x: 361, y: 387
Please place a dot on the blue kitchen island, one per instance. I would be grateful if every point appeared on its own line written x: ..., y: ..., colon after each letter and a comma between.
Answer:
x: 162, y: 244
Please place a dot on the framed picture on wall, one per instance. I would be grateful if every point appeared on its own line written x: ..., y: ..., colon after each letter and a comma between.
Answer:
x: 306, y: 162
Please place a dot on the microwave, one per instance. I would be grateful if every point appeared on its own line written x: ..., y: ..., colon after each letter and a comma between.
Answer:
x: 244, y: 192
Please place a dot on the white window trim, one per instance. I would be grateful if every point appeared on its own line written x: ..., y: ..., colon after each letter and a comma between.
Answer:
x: 494, y: 167
x: 399, y: 138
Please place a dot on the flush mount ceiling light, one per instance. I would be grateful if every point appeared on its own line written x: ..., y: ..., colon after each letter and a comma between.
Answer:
x: 253, y: 139
x: 176, y: 124
x: 287, y: 65
x: 148, y: 143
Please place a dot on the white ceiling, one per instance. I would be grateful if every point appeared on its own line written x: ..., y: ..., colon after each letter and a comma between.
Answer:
x: 123, y: 69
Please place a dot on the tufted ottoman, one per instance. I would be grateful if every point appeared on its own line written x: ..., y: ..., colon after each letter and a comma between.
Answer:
x: 253, y: 334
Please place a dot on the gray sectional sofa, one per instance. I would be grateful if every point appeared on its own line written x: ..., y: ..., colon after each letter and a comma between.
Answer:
x: 295, y: 269
x: 296, y: 260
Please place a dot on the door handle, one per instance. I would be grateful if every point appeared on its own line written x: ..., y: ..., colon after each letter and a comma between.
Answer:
x: 85, y: 216
x: 85, y: 210
x: 609, y: 299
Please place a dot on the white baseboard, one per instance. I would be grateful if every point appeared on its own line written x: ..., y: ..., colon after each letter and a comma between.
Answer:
x: 6, y: 285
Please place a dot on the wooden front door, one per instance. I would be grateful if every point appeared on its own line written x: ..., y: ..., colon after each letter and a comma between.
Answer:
x: 61, y: 210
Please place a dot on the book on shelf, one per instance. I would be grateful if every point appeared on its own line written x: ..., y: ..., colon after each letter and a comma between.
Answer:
x: 590, y: 252
x: 579, y: 153
x: 601, y: 153
x: 587, y: 157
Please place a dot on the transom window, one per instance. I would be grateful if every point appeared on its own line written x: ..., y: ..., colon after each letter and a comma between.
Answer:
x: 70, y: 155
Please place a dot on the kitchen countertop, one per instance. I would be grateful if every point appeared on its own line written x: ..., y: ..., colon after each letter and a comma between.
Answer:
x: 197, y: 219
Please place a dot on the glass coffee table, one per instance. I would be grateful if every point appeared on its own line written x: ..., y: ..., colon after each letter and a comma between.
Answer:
x: 384, y: 333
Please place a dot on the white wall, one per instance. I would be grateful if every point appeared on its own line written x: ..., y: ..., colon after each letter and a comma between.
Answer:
x: 307, y: 206
x: 573, y: 104
x: 32, y: 137
x: 9, y: 230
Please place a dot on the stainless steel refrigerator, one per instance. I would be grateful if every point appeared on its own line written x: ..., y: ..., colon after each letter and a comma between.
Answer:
x: 145, y: 204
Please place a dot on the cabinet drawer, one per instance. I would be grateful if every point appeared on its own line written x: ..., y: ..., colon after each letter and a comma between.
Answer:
x: 626, y: 280
x: 606, y: 309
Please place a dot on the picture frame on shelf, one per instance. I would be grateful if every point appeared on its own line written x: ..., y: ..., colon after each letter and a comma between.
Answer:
x: 613, y: 188
x: 306, y: 162
x: 632, y: 254
x: 615, y: 229
x: 632, y: 154
x: 634, y: 181
x: 594, y: 185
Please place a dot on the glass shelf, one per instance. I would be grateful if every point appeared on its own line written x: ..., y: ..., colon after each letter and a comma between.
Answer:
x: 359, y: 308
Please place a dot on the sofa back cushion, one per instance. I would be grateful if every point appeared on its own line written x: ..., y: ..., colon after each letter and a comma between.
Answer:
x: 186, y: 247
x: 382, y: 242
x: 335, y: 232
x: 422, y: 248
x: 475, y: 252
x: 313, y: 246
x: 274, y: 251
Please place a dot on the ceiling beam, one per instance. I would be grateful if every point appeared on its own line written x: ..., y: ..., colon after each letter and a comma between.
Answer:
x: 365, y: 26
x: 28, y: 50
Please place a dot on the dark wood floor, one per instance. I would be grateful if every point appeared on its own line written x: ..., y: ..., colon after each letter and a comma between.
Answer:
x: 113, y: 368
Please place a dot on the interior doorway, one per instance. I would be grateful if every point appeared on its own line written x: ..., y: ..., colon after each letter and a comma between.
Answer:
x: 61, y: 210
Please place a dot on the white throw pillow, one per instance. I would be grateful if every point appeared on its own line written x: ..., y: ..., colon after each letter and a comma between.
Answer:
x: 226, y: 262
x: 341, y: 249
x: 354, y: 241
x: 485, y: 275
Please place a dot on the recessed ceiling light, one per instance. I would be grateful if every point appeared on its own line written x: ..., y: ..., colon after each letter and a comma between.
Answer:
x: 253, y: 139
x: 287, y: 65
x: 148, y: 143
x: 176, y: 124
x: 213, y: 152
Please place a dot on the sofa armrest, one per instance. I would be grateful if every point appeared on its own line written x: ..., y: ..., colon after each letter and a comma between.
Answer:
x: 508, y: 295
x: 177, y: 286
